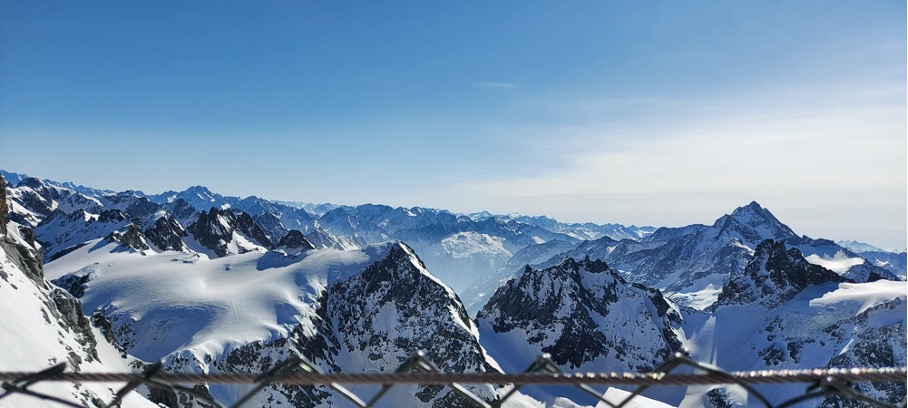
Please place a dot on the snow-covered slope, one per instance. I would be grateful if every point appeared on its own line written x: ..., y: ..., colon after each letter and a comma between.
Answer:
x: 44, y: 325
x: 345, y: 310
x: 784, y: 313
x: 895, y: 261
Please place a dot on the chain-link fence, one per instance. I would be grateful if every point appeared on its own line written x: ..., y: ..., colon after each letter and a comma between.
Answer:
x: 820, y: 383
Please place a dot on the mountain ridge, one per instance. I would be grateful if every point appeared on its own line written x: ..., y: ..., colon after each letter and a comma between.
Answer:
x: 224, y: 290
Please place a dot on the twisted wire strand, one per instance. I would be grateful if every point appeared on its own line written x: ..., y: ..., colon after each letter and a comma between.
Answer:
x: 417, y: 369
x: 540, y: 378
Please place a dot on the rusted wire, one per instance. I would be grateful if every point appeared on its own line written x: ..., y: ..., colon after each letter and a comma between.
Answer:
x: 418, y: 370
x: 540, y: 378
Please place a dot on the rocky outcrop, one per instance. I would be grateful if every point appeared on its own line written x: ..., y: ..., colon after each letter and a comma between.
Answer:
x: 4, y: 207
x: 294, y: 242
x: 132, y: 237
x: 394, y: 308
x: 215, y: 229
x: 245, y: 224
x: 166, y: 234
x: 773, y: 276
x: 585, y: 316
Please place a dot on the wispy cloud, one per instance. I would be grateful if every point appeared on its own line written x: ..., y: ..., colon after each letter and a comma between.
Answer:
x: 808, y: 150
x: 499, y: 86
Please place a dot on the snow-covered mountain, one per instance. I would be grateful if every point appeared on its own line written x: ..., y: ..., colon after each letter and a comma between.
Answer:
x: 785, y: 313
x: 582, y: 313
x: 780, y: 312
x: 44, y: 325
x: 228, y: 285
x: 274, y: 217
x: 692, y: 263
x: 773, y: 276
x: 347, y: 311
x: 458, y: 249
x: 891, y: 260
x: 580, y: 231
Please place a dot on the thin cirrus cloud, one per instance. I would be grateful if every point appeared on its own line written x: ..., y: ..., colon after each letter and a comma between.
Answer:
x: 808, y: 153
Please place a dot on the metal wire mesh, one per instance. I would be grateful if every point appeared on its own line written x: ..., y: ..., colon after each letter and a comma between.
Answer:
x: 822, y: 383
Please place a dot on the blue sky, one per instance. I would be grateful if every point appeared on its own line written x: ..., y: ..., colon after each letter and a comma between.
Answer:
x: 661, y: 113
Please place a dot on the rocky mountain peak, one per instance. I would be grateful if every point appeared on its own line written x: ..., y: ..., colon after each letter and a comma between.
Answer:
x: 166, y: 233
x: 4, y: 208
x: 403, y: 308
x: 774, y: 275
x: 108, y: 215
x: 757, y: 222
x: 294, y: 242
x: 578, y: 312
x: 200, y: 190
x: 216, y: 230
x: 31, y: 182
x: 248, y: 226
x: 132, y: 237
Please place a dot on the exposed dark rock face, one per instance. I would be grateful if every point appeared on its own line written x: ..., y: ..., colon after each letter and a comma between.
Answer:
x: 875, y: 337
x: 294, y: 242
x: 585, y: 316
x: 166, y: 234
x: 718, y: 398
x: 69, y: 311
x: 403, y: 309
x: 775, y: 275
x: 245, y: 224
x: 28, y: 259
x: 875, y: 347
x: 63, y: 232
x: 319, y: 347
x: 4, y: 207
x: 112, y: 216
x: 132, y: 237
x: 214, y: 229
x: 60, y: 309
x: 74, y: 283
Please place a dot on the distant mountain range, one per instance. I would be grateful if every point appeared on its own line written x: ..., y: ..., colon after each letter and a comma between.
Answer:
x: 211, y: 283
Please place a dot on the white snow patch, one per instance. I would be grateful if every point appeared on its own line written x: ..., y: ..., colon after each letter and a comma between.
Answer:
x: 867, y: 294
x: 840, y: 263
x: 615, y: 396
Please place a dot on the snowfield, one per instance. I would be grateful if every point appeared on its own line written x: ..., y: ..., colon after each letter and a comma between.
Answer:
x: 184, y: 301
